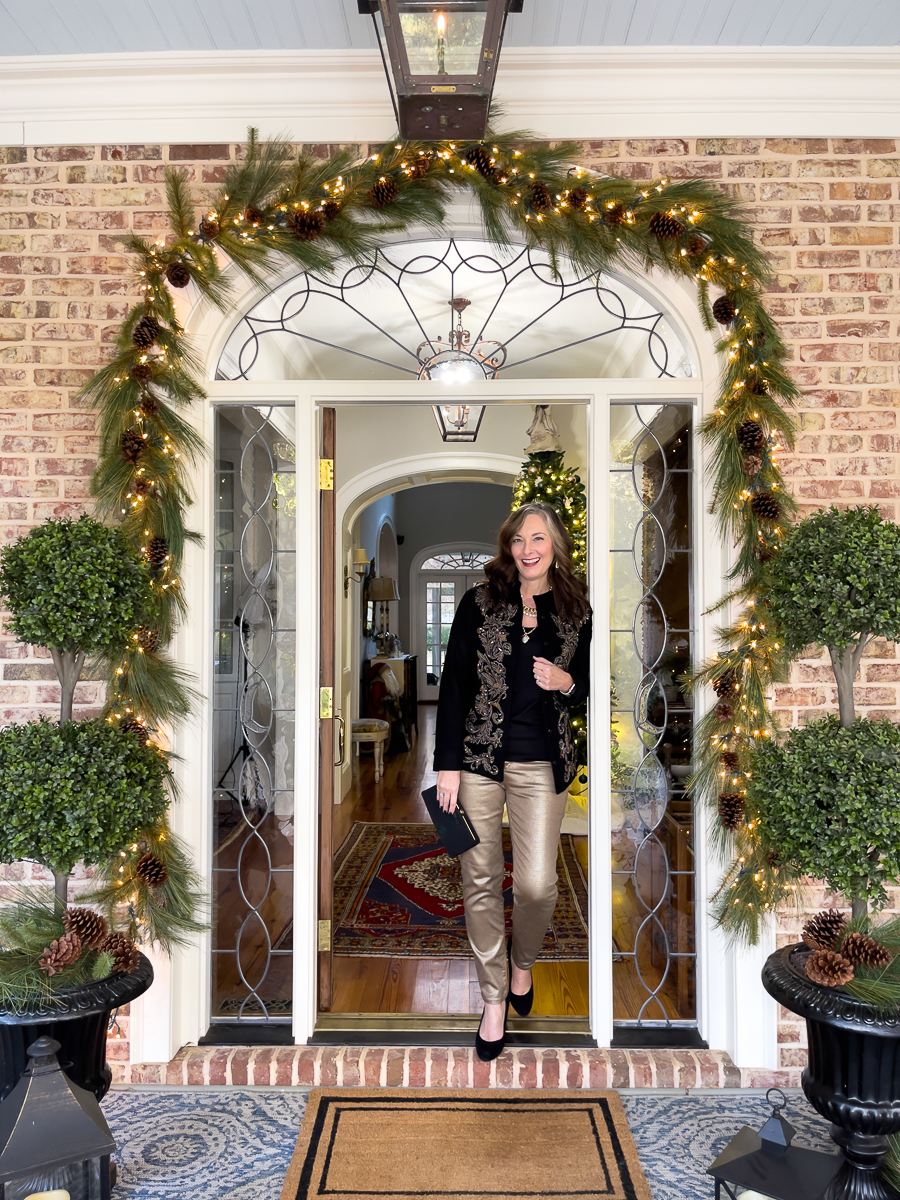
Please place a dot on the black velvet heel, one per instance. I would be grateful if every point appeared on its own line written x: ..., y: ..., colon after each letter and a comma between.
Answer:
x: 522, y: 1004
x: 488, y: 1051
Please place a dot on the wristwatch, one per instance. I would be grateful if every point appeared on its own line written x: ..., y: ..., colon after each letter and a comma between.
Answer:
x: 571, y: 689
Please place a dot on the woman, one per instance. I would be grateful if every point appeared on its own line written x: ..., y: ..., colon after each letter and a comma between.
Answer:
x: 517, y: 660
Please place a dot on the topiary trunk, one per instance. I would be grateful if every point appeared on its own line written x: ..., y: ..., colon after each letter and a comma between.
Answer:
x: 68, y: 665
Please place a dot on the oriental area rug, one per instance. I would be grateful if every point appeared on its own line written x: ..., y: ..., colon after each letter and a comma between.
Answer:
x: 463, y: 1145
x: 398, y: 894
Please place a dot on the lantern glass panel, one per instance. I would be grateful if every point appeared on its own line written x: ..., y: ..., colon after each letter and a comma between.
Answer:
x: 443, y: 40
x: 81, y: 1180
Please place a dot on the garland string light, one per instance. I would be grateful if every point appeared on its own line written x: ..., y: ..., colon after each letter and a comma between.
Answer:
x: 275, y: 208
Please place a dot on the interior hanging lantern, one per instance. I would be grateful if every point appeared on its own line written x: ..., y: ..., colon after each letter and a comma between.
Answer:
x: 441, y: 60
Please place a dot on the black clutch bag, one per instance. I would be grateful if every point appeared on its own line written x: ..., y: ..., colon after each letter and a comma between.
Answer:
x: 456, y: 834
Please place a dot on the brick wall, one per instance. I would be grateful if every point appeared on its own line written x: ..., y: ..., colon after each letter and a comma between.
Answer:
x: 826, y: 209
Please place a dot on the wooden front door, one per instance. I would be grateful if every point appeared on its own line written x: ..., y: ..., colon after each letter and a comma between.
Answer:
x: 327, y: 718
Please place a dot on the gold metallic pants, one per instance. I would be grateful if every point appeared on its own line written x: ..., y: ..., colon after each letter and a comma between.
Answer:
x: 535, y: 817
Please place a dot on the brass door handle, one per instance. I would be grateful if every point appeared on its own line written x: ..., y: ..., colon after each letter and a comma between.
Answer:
x: 341, y: 739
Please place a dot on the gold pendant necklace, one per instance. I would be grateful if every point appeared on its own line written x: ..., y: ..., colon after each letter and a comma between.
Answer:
x: 529, y: 612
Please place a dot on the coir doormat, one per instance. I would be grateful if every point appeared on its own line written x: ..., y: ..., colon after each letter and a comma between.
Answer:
x: 397, y: 894
x: 360, y: 1143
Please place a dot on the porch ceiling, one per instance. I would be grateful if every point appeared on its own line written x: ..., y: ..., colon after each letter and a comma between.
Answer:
x: 49, y: 27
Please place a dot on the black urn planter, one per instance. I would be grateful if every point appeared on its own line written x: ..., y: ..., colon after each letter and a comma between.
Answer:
x: 78, y: 1021
x: 853, y: 1075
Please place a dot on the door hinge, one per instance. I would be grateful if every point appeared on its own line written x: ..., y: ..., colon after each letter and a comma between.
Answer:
x: 326, y: 703
x: 324, y: 935
x: 326, y: 474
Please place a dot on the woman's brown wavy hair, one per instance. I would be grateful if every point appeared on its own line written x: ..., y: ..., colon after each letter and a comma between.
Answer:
x: 569, y: 592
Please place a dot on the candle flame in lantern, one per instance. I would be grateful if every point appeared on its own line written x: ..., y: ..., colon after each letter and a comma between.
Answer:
x: 441, y: 24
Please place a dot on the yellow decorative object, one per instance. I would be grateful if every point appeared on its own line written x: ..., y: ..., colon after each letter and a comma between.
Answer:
x: 56, y: 1194
x: 578, y: 791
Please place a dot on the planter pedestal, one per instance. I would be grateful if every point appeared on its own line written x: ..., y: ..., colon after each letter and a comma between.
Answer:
x: 79, y: 1022
x: 853, y: 1075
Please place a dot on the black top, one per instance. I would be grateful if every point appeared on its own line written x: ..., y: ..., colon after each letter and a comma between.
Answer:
x: 526, y: 737
x: 478, y: 683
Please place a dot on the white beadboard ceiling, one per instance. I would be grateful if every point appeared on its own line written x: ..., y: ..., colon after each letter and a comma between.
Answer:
x: 51, y: 27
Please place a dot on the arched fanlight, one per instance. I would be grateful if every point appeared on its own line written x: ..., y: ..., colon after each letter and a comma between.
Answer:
x: 442, y: 60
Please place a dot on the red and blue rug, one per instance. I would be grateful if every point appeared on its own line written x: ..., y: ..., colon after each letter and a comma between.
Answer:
x: 397, y: 894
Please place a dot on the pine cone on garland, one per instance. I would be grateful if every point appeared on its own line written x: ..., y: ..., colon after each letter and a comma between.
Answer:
x: 149, y: 405
x: 61, y: 953
x: 539, y: 196
x: 142, y: 486
x: 825, y: 929
x: 157, y: 553
x: 724, y: 310
x: 133, y: 725
x: 142, y: 372
x: 727, y: 683
x: 730, y: 760
x: 178, y: 275
x: 383, y: 193
x: 252, y: 215
x: 696, y: 246
x: 151, y: 870
x: 751, y: 465
x: 126, y: 957
x: 87, y: 925
x: 614, y: 214
x: 479, y: 157
x: 306, y: 224
x: 145, y: 332
x: 419, y: 167
x: 828, y: 968
x: 862, y: 951
x: 132, y: 446
x: 765, y: 506
x: 665, y: 227
x: 724, y: 711
x: 750, y: 436
x: 731, y: 810
x: 209, y: 229
x: 148, y: 639
x: 764, y: 552
x: 578, y: 198
x: 330, y: 209
x: 757, y: 386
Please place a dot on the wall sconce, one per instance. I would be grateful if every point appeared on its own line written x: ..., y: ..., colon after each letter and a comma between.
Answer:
x: 442, y: 60
x: 360, y: 568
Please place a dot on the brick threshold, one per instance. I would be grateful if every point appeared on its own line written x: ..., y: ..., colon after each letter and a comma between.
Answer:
x: 455, y: 1067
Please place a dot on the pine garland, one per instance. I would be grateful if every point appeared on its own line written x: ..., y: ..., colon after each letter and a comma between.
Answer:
x: 528, y: 192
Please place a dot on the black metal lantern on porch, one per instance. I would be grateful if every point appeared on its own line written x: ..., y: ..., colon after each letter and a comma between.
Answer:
x: 442, y: 60
x: 767, y: 1163
x: 54, y: 1139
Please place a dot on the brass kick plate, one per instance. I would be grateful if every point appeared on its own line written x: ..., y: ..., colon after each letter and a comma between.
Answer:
x: 326, y: 703
x: 326, y: 474
x: 324, y: 935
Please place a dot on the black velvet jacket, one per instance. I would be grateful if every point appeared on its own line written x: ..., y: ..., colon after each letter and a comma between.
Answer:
x: 474, y: 700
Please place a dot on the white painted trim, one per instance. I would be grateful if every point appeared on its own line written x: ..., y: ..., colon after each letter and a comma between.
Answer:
x: 329, y: 96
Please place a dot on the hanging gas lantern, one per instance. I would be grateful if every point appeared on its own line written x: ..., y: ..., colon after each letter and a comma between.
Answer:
x: 442, y: 61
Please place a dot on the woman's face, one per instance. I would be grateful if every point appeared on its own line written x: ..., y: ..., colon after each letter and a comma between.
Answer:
x: 532, y: 549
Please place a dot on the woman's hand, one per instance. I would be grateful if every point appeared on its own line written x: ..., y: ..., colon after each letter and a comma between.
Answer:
x: 550, y: 677
x: 448, y: 790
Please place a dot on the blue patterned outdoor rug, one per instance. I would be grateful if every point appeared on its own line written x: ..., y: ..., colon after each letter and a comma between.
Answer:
x: 237, y: 1144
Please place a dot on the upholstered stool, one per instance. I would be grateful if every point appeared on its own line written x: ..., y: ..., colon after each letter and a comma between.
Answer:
x: 370, y: 729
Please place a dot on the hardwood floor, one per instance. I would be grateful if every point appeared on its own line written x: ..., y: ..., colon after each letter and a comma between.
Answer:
x: 430, y: 985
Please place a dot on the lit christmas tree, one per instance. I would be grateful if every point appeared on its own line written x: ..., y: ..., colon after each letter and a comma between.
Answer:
x: 545, y: 477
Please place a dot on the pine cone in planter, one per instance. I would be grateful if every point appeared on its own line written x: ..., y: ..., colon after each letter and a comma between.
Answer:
x: 614, y: 214
x: 125, y: 954
x: 578, y: 198
x: 862, y: 951
x: 696, y: 246
x: 330, y: 210
x: 148, y: 639
x: 828, y: 968
x: 825, y: 929
x: 61, y: 953
x: 306, y: 225
x: 151, y: 870
x: 132, y: 725
x: 142, y: 372
x: 751, y: 465
x: 87, y: 925
x: 149, y: 406
x: 479, y: 157
x: 252, y: 215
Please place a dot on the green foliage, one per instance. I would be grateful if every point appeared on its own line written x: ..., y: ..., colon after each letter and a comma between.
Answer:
x: 76, y: 792
x: 827, y: 801
x: 73, y: 585
x: 837, y: 578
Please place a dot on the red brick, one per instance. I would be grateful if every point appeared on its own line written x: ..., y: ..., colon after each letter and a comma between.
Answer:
x: 124, y: 153
x: 860, y: 235
x: 864, y: 465
x: 828, y: 258
x: 796, y: 283
x: 260, y: 1070
x: 828, y: 352
x: 328, y: 1067
x: 860, y: 282
x: 824, y: 213
x: 797, y: 145
x: 92, y: 219
x: 416, y: 1071
x: 858, y: 329
x: 859, y: 191
x: 239, y: 1067
x: 833, y: 167
x: 187, y: 153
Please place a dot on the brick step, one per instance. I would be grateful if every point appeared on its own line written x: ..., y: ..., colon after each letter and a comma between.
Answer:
x: 429, y: 1066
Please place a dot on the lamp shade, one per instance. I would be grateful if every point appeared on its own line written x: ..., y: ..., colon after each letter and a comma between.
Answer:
x: 361, y: 558
x: 384, y: 589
